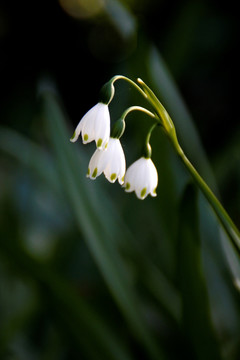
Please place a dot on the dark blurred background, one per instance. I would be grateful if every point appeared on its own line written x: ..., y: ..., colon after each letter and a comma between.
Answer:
x: 78, y: 45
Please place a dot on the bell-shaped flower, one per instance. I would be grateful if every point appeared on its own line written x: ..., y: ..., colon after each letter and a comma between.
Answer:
x: 111, y: 162
x: 95, y: 125
x: 142, y: 177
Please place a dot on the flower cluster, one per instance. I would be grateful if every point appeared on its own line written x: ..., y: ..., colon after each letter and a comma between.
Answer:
x: 109, y: 157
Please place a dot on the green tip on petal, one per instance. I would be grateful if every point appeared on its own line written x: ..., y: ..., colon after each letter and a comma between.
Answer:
x: 72, y: 138
x: 94, y: 174
x: 99, y: 142
x: 88, y: 172
x: 85, y: 137
x: 143, y: 192
x: 113, y: 177
x: 127, y: 186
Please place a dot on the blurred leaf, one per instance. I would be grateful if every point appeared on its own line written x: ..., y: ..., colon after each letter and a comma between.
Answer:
x: 25, y: 151
x: 85, y: 325
x: 196, y: 311
x: 29, y: 154
x: 159, y: 78
x: 121, y: 17
x: 166, y: 89
x: 218, y: 257
x: 18, y: 304
x: 180, y: 39
x: 88, y: 211
x: 226, y: 164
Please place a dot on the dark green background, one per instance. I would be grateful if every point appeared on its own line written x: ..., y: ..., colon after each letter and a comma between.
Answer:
x: 87, y: 271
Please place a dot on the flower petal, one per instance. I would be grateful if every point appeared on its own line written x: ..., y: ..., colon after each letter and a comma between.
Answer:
x: 88, y: 131
x: 110, y: 161
x: 94, y: 125
x: 116, y: 165
x: 96, y: 165
x: 102, y: 126
x: 142, y: 178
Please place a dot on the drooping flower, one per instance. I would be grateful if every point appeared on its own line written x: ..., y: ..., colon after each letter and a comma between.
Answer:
x: 95, y: 125
x: 111, y: 162
x: 142, y: 177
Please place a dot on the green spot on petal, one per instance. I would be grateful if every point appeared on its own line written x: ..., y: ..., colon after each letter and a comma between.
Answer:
x: 143, y: 192
x: 128, y: 186
x: 85, y: 137
x: 99, y: 142
x: 113, y: 177
x: 94, y: 174
x: 88, y: 172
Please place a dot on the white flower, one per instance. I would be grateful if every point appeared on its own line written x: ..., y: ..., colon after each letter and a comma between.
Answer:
x: 95, y: 125
x: 142, y: 178
x: 111, y: 162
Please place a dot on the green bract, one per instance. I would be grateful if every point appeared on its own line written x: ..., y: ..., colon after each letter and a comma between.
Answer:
x: 106, y: 93
x: 118, y: 129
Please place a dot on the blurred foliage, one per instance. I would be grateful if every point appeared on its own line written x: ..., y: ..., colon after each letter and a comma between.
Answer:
x: 86, y: 270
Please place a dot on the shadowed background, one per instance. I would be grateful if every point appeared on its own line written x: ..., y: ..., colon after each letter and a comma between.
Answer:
x: 87, y: 271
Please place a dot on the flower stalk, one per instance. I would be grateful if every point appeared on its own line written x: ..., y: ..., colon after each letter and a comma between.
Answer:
x: 229, y: 226
x: 141, y: 176
x: 169, y: 129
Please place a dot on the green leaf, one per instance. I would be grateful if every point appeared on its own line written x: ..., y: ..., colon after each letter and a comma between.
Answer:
x: 72, y: 311
x: 162, y: 83
x: 123, y: 20
x: 196, y: 319
x: 91, y: 213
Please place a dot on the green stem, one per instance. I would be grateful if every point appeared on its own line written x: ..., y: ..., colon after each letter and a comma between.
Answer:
x: 121, y: 77
x: 150, y: 132
x: 147, y: 150
x: 138, y: 108
x: 219, y: 210
x: 169, y: 129
x: 164, y: 119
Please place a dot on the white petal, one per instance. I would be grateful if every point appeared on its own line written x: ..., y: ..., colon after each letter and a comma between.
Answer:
x: 115, y: 168
x: 102, y: 126
x: 142, y: 178
x: 110, y: 169
x: 134, y: 174
x: 85, y: 119
x: 76, y: 132
x: 129, y: 178
x: 141, y: 183
x: 96, y: 165
x: 110, y: 161
x: 122, y: 170
x: 94, y: 125
x: 153, y: 179
x: 88, y: 122
x: 148, y: 183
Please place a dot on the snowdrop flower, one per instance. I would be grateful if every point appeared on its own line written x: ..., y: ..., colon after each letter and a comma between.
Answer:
x: 95, y: 125
x: 142, y: 178
x: 111, y: 162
